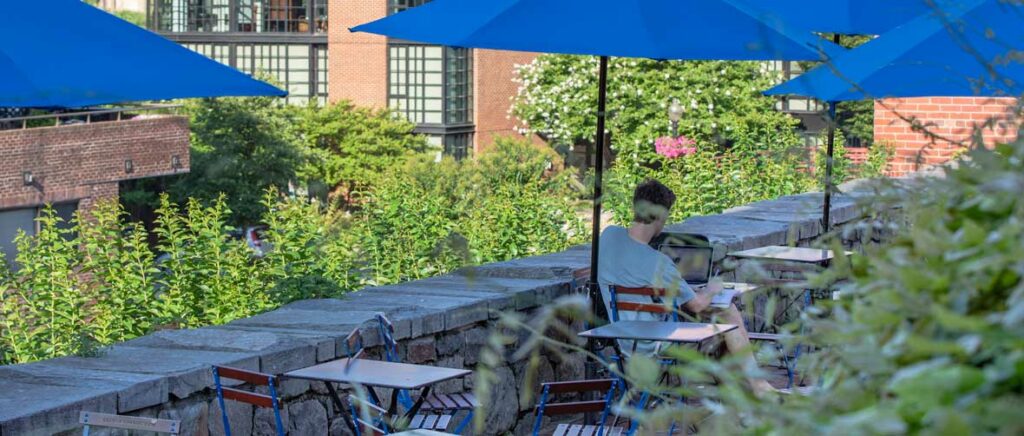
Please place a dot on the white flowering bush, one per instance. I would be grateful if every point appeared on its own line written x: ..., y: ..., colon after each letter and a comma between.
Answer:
x: 745, y: 149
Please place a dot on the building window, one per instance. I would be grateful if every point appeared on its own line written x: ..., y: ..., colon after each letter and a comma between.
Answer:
x: 14, y: 221
x: 289, y: 16
x: 794, y: 104
x: 458, y: 145
x: 300, y: 69
x: 396, y: 6
x: 458, y: 97
x: 416, y: 82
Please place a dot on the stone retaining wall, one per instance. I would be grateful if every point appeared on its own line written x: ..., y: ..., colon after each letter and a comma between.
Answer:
x: 441, y: 321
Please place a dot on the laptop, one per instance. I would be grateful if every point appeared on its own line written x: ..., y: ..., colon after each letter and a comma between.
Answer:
x: 694, y: 257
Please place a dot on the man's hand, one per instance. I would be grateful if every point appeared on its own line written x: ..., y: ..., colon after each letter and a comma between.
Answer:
x: 714, y: 286
x: 705, y: 293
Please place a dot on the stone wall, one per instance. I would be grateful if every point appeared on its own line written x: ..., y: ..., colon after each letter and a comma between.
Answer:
x: 441, y: 321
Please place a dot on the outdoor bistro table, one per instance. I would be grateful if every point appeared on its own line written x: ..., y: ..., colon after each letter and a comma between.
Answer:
x: 663, y: 331
x: 814, y: 256
x: 377, y: 373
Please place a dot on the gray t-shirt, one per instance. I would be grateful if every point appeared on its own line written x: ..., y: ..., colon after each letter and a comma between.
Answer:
x: 623, y: 261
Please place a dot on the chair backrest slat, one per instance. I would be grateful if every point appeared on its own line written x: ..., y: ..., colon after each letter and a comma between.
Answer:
x: 632, y: 306
x: 579, y: 386
x: 650, y: 292
x: 129, y: 422
x: 248, y: 397
x: 250, y: 377
x: 554, y: 409
x: 545, y: 408
x: 353, y: 344
x: 644, y: 307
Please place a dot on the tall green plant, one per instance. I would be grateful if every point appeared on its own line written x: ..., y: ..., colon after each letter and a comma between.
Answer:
x: 120, y: 270
x: 44, y: 308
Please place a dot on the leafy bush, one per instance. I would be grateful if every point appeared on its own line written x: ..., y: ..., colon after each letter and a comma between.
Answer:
x: 877, y: 161
x: 348, y: 147
x: 240, y: 148
x: 841, y: 164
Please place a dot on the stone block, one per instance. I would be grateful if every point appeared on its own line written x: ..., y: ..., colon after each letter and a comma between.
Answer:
x: 502, y: 411
x: 192, y: 414
x: 458, y: 317
x: 40, y: 409
x: 239, y: 417
x: 420, y: 350
x: 452, y: 342
x: 263, y: 421
x: 185, y: 371
x: 134, y: 391
x: 307, y: 418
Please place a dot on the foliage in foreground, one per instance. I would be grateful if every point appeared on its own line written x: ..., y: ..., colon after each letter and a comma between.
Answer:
x: 99, y: 282
x: 927, y: 337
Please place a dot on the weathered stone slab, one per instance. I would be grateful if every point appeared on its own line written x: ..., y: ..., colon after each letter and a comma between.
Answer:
x: 34, y: 409
x: 186, y: 371
x: 134, y: 391
x: 731, y: 233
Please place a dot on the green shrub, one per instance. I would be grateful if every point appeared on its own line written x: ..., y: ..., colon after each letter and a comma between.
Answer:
x: 877, y: 161
x: 348, y: 146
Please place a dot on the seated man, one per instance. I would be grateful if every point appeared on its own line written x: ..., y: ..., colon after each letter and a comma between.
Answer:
x: 627, y: 260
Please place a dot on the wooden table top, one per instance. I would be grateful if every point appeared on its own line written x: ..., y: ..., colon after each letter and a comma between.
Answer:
x: 378, y: 373
x: 678, y: 332
x: 789, y: 254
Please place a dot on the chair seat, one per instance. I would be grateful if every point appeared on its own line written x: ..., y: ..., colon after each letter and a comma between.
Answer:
x: 584, y: 430
x: 438, y: 402
x: 431, y: 422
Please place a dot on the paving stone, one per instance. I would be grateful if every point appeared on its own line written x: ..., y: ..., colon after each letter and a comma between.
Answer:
x: 420, y: 350
x: 277, y: 354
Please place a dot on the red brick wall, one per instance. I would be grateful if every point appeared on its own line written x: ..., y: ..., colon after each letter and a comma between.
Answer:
x: 493, y: 89
x: 955, y: 120
x: 85, y: 161
x: 357, y: 62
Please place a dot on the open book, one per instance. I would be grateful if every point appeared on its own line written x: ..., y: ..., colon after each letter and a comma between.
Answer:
x: 723, y: 299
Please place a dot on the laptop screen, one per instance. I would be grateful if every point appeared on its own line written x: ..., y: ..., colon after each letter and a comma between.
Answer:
x: 694, y: 263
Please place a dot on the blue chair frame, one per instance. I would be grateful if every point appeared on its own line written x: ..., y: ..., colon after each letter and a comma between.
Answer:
x: 255, y: 399
x: 544, y: 408
x: 387, y: 334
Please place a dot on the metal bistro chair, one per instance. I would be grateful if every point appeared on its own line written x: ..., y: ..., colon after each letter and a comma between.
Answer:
x: 439, y: 408
x: 258, y: 400
x: 602, y: 406
x: 353, y: 348
x: 121, y: 422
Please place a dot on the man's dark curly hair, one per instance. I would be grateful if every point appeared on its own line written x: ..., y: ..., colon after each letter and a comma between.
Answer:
x: 647, y: 198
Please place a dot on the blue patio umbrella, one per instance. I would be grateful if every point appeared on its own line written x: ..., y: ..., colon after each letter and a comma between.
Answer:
x: 842, y: 17
x: 845, y: 17
x: 961, y: 48
x: 657, y: 29
x: 68, y: 54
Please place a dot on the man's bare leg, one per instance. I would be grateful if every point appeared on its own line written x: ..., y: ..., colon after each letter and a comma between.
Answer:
x: 738, y: 343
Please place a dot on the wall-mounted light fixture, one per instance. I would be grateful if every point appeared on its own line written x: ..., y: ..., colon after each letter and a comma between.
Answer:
x: 175, y: 162
x: 129, y: 166
x: 28, y: 178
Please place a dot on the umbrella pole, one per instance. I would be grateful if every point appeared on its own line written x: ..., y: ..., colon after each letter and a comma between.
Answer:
x: 826, y: 215
x: 596, y: 300
x: 827, y: 211
x: 595, y: 241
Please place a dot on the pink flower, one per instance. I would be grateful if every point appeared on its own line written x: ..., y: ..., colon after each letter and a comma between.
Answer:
x: 674, y: 147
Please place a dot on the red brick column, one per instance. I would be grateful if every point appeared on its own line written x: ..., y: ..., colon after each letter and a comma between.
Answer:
x: 357, y: 62
x: 493, y: 89
x: 953, y: 121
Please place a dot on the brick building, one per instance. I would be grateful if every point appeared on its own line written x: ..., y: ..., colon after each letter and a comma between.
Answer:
x: 74, y: 164
x: 306, y: 46
x: 954, y: 121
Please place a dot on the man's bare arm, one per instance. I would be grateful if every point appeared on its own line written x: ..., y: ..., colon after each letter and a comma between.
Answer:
x: 702, y: 301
